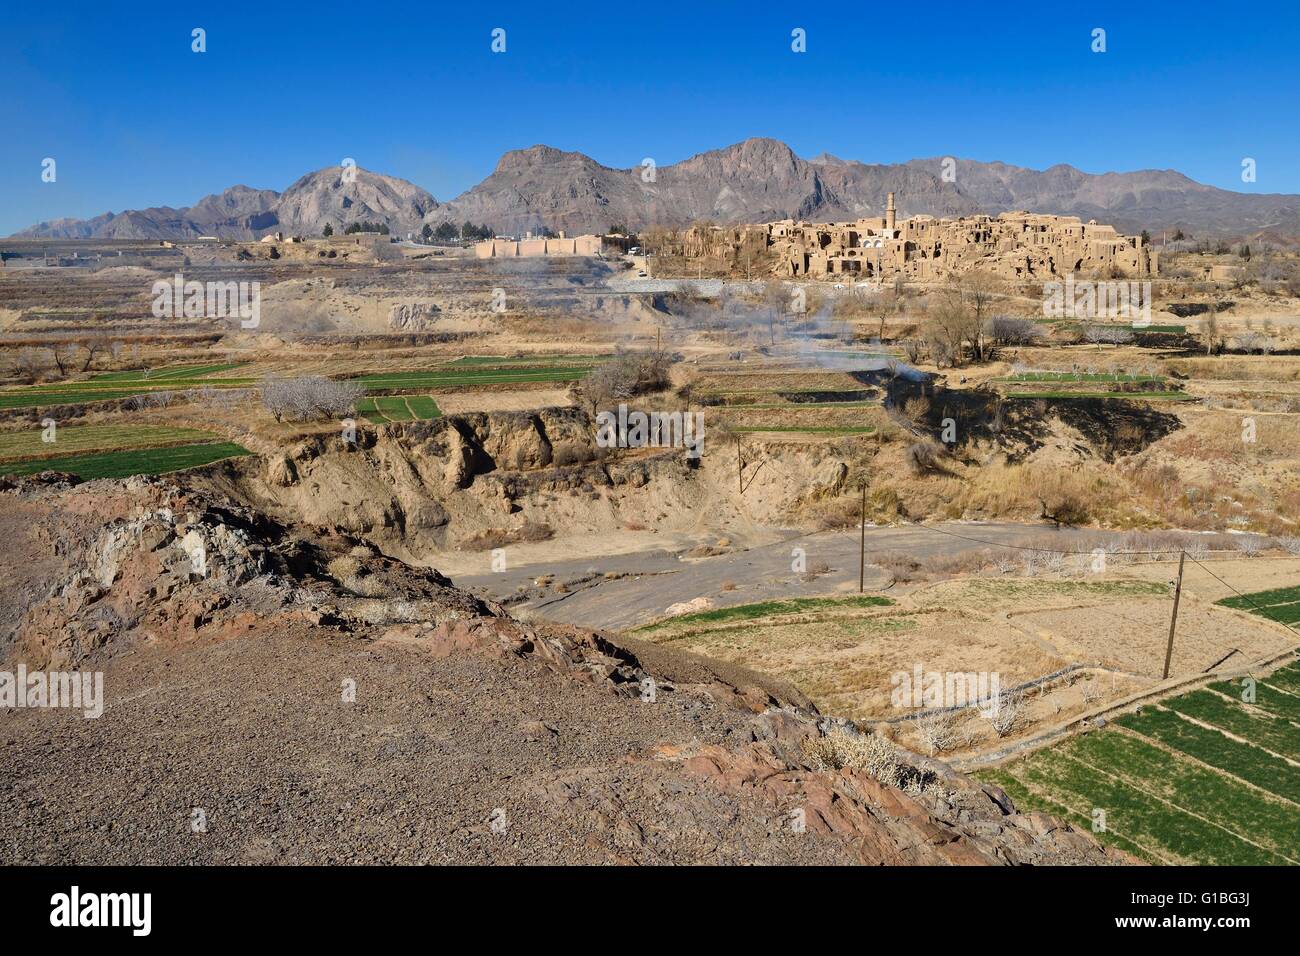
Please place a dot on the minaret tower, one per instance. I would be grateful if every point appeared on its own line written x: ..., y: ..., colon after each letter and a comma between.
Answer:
x: 889, y: 214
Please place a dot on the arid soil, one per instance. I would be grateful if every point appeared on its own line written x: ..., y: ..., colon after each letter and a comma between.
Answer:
x: 230, y: 734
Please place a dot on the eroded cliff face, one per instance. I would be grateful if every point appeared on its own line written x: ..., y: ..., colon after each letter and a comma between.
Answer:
x: 423, y: 489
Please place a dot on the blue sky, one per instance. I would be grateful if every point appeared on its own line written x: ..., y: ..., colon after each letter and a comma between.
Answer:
x: 134, y: 118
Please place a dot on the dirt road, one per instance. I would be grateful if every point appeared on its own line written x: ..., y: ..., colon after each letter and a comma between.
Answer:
x: 626, y: 590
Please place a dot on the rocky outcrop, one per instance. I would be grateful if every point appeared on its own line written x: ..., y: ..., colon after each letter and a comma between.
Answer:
x: 179, y: 565
x: 718, y: 764
x: 412, y: 316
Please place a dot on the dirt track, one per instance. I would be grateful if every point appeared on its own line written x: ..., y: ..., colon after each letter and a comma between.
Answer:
x: 659, y: 579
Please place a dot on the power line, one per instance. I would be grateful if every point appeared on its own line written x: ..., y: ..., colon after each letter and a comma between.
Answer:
x: 1245, y: 597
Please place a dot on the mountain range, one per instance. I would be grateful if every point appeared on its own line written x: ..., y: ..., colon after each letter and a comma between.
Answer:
x: 756, y: 180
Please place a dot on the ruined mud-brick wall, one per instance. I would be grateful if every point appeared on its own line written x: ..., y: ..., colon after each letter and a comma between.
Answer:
x: 1011, y: 246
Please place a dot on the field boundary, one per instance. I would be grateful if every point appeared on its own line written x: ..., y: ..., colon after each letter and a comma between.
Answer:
x: 1077, y: 723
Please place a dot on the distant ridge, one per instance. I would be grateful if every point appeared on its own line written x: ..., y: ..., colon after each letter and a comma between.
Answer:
x: 752, y: 181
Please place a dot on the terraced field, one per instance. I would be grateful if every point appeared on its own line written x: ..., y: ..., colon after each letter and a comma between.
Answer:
x: 170, y: 373
x: 28, y: 444
x: 1078, y: 377
x: 1210, y: 777
x: 469, y: 378
x: 114, y: 385
x: 806, y: 429
x: 749, y: 612
x: 1280, y: 604
x: 532, y: 361
x: 788, y: 417
x: 1089, y: 385
x: 381, y: 409
x: 828, y: 647
x: 464, y: 373
x: 1127, y: 396
x: 135, y: 461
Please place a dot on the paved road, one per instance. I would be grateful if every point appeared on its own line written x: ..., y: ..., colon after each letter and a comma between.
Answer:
x: 647, y: 583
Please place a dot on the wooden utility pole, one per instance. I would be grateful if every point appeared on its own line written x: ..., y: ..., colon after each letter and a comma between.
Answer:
x: 1173, y: 621
x: 740, y: 468
x: 862, y: 542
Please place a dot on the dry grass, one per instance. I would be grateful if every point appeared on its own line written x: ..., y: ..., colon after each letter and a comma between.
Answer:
x: 868, y: 753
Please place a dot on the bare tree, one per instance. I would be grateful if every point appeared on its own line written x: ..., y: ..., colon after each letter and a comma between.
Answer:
x: 308, y: 397
x: 1210, y: 332
x: 28, y: 364
x: 63, y: 357
x: 1008, y: 713
x: 979, y: 288
x: 1252, y: 342
x: 93, y: 344
x: 1008, y: 330
x: 1107, y: 334
x: 946, y: 331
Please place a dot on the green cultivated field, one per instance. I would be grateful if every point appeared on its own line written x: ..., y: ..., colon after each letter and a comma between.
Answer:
x: 746, y: 612
x: 807, y: 429
x: 1279, y: 604
x: 471, y: 377
x: 114, y: 385
x: 380, y: 409
x: 468, y: 373
x: 122, y: 464
x: 1079, y: 377
x: 16, y: 446
x: 1127, y: 396
x: 535, y: 361
x: 1174, y: 786
x: 170, y: 373
x: 1094, y: 379
x: 790, y: 406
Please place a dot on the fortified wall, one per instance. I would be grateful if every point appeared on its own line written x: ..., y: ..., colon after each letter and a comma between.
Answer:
x: 562, y: 246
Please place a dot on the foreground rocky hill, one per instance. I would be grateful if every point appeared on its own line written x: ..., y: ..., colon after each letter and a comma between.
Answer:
x: 289, y: 694
x: 753, y: 181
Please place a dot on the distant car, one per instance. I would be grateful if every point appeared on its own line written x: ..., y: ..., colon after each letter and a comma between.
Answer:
x: 839, y: 285
x: 642, y: 274
x: 634, y: 250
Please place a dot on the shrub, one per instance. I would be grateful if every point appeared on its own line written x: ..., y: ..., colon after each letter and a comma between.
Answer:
x: 923, y: 456
x: 938, y: 731
x: 1250, y: 545
x: 902, y: 566
x: 1065, y: 509
x: 625, y: 377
